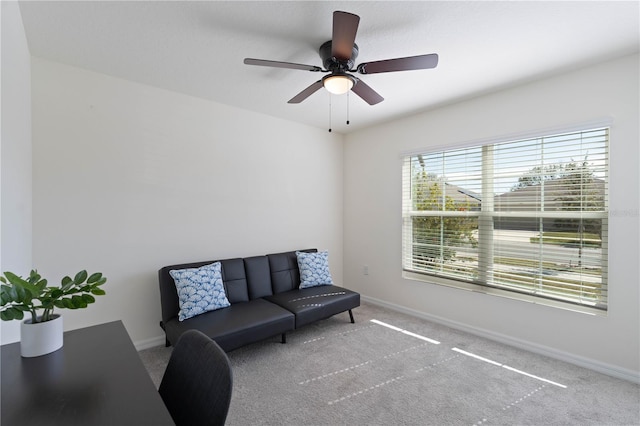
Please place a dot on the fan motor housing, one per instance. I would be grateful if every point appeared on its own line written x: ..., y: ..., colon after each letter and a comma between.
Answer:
x: 333, y: 64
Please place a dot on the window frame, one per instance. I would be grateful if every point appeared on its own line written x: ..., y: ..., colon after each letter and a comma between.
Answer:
x: 487, y: 213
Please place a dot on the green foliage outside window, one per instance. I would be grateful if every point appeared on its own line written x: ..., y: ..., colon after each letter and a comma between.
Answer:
x: 437, y: 237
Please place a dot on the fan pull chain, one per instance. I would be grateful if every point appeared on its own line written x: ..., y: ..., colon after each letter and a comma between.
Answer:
x: 329, y: 112
x: 348, y: 107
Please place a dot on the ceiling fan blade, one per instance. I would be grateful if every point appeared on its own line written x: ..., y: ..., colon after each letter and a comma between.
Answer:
x: 420, y: 62
x: 345, y: 27
x: 369, y: 95
x: 278, y: 64
x: 306, y: 93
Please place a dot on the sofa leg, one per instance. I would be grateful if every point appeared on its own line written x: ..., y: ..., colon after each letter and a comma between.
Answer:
x: 284, y: 338
x: 166, y: 339
x: 351, y: 316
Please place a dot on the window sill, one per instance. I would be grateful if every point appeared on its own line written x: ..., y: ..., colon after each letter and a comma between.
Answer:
x: 503, y: 293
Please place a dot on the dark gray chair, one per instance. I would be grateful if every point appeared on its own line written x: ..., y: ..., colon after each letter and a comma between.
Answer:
x: 196, y: 386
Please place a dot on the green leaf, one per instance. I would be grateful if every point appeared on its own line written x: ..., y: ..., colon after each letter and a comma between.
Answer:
x: 67, y: 303
x: 11, y: 314
x: 88, y: 298
x: 18, y: 313
x: 56, y: 293
x: 5, y: 298
x: 13, y: 293
x: 59, y: 304
x: 78, y: 302
x: 80, y: 277
x: 42, y: 285
x: 95, y: 277
x: 98, y: 292
x: 66, y: 282
x: 47, y: 303
x: 17, y: 281
x: 34, y: 277
x: 24, y: 295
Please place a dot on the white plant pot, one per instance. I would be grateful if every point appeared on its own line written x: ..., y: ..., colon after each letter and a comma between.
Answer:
x: 40, y: 338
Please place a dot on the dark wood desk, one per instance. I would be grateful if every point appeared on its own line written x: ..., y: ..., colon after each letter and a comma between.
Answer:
x: 97, y: 378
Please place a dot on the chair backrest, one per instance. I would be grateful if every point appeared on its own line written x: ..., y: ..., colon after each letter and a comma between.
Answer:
x: 197, y: 383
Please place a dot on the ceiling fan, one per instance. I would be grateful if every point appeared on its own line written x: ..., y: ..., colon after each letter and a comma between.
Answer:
x: 338, y: 58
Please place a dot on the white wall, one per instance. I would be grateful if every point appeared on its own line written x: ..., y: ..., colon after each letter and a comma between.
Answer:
x: 128, y: 178
x: 373, y: 214
x: 15, y: 152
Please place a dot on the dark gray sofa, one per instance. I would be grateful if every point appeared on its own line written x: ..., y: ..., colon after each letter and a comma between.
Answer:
x: 265, y: 298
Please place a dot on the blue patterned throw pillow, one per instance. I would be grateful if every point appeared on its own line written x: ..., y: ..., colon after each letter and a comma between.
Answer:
x: 200, y: 290
x: 314, y: 269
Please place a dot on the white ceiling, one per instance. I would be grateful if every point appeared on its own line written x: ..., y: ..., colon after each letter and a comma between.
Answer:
x: 197, y: 48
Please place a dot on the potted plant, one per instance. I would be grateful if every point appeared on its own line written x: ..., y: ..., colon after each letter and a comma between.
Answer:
x: 42, y: 332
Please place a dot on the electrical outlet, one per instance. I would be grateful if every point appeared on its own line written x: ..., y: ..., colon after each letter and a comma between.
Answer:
x: 365, y: 270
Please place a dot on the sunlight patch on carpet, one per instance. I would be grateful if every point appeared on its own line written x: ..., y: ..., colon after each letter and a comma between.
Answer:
x: 409, y: 333
x: 472, y: 355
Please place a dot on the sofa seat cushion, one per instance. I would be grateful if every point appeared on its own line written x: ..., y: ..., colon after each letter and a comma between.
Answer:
x: 237, y: 325
x: 316, y: 303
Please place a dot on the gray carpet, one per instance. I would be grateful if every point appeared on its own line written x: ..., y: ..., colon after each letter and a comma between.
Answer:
x: 334, y: 372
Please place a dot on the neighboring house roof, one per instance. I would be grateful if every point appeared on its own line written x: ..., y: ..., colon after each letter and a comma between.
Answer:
x: 559, y: 194
x: 463, y: 196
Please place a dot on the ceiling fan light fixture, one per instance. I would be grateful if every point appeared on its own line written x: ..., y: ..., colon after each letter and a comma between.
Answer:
x: 338, y: 84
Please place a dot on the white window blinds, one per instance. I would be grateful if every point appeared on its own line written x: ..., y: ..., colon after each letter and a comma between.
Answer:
x: 527, y: 216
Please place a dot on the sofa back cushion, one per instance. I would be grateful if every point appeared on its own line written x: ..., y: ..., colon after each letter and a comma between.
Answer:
x: 235, y: 280
x: 258, y: 276
x: 285, y: 274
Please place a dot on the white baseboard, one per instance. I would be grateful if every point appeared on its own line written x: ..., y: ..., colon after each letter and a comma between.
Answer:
x: 600, y: 367
x: 150, y: 343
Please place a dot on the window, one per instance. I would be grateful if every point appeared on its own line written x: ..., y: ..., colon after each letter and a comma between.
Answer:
x: 526, y: 217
